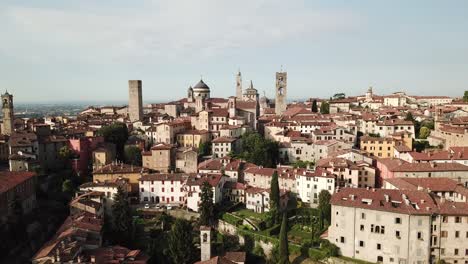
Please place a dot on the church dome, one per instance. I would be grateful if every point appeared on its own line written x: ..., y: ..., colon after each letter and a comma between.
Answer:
x: 201, y: 86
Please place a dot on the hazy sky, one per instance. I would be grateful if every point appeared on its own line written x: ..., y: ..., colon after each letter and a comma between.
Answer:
x: 87, y: 50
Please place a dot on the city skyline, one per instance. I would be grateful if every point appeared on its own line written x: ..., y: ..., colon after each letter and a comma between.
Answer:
x: 326, y: 48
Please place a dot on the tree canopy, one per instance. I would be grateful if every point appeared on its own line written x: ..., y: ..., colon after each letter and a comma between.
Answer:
x: 274, y: 198
x: 324, y: 206
x: 339, y: 96
x: 181, y: 248
x: 258, y: 150
x: 424, y: 132
x: 283, y: 241
x: 116, y: 133
x: 121, y: 218
x: 206, y: 205
x: 465, y: 96
x: 314, y: 106
x: 325, y: 108
x: 132, y: 155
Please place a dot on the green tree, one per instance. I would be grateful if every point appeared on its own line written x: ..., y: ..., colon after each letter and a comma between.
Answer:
x: 65, y: 153
x: 181, y: 248
x: 122, y: 225
x: 324, y: 206
x: 283, y: 241
x: 274, y: 198
x: 68, y: 187
x: 132, y: 155
x: 465, y: 96
x: 325, y: 108
x: 258, y: 150
x: 409, y: 117
x: 424, y: 132
x: 314, y: 106
x: 206, y: 205
x: 204, y: 149
x: 116, y: 133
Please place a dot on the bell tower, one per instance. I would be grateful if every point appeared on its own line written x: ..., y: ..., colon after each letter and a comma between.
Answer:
x: 281, y: 92
x: 7, y: 110
x: 205, y: 243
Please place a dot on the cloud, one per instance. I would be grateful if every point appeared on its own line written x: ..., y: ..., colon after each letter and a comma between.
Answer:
x: 166, y: 30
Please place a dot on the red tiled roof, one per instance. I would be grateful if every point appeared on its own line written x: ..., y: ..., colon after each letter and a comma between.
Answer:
x: 9, y: 180
x: 397, y: 201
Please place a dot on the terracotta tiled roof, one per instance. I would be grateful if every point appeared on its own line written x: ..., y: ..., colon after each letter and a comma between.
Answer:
x: 428, y: 167
x: 9, y: 180
x: 397, y: 201
x: 120, y: 168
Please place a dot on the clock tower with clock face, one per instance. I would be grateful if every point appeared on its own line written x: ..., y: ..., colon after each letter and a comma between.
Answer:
x: 281, y: 92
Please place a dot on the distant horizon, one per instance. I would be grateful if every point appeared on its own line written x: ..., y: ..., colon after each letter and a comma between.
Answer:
x: 327, y: 47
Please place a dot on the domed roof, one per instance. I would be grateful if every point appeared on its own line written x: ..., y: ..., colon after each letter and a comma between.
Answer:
x: 201, y: 86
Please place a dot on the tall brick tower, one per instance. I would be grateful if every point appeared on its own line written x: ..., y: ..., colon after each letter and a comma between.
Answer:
x: 135, y: 100
x: 7, y: 110
x: 281, y: 92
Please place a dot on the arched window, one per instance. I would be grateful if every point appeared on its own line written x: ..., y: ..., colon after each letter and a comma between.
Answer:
x: 205, y: 237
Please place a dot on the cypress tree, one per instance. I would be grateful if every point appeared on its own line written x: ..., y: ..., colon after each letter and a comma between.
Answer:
x: 181, y: 248
x: 274, y: 198
x: 206, y: 206
x: 283, y: 241
x: 314, y: 106
x: 121, y: 218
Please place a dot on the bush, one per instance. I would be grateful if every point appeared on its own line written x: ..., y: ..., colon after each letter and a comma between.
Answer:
x: 331, y: 250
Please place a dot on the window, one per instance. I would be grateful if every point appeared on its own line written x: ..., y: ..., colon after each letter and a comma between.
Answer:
x: 398, y: 220
x: 342, y: 240
x: 457, y: 219
x: 361, y: 243
x: 457, y: 234
x: 420, y: 235
x: 379, y: 246
x: 142, y: 189
x: 397, y: 234
x: 362, y: 227
x: 363, y: 216
x: 455, y: 252
x: 443, y: 234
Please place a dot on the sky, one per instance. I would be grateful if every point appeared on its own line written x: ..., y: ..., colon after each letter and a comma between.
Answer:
x: 87, y: 50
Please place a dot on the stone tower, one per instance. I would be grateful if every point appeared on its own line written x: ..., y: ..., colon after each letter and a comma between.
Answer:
x: 232, y: 101
x: 135, y: 100
x: 7, y: 110
x: 190, y: 95
x: 205, y: 243
x: 239, y: 86
x: 281, y: 92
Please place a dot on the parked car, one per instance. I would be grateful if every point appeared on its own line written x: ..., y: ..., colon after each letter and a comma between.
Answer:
x: 157, y: 206
x: 147, y: 206
x: 169, y: 207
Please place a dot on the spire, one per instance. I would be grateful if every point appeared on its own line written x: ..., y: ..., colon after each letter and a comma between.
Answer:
x: 251, y: 84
